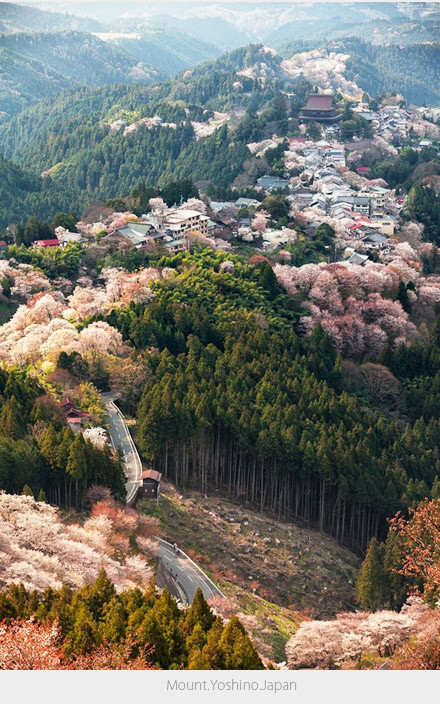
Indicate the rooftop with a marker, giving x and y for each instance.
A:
(48, 243)
(151, 474)
(135, 236)
(357, 258)
(182, 215)
(320, 102)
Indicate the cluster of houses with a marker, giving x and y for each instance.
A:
(74, 417)
(322, 185)
(316, 177)
(61, 239)
(169, 230)
(390, 121)
(368, 213)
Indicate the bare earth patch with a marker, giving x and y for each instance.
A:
(293, 567)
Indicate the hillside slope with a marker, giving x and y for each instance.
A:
(291, 566)
(72, 138)
(166, 50)
(413, 71)
(38, 65)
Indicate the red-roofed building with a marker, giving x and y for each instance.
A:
(74, 419)
(362, 169)
(41, 244)
(3, 246)
(73, 416)
(150, 488)
(67, 405)
(320, 108)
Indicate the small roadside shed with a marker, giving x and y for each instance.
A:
(150, 487)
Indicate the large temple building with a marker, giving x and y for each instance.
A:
(320, 108)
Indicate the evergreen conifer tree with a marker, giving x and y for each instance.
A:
(113, 625)
(84, 635)
(199, 613)
(371, 582)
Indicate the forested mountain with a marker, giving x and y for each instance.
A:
(379, 31)
(238, 401)
(216, 30)
(230, 25)
(38, 65)
(23, 81)
(24, 194)
(24, 461)
(412, 71)
(71, 138)
(167, 50)
(22, 18)
(16, 186)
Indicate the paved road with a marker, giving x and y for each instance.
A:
(385, 666)
(186, 573)
(120, 435)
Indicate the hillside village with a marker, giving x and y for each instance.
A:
(324, 180)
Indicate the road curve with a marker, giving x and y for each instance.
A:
(186, 575)
(184, 571)
(120, 435)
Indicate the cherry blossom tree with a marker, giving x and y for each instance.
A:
(158, 206)
(107, 657)
(260, 221)
(37, 549)
(193, 204)
(97, 436)
(227, 266)
(328, 644)
(421, 536)
(28, 645)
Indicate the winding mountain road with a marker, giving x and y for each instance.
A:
(185, 575)
(120, 435)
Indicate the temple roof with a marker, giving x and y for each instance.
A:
(320, 102)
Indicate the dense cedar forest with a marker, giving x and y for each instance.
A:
(143, 629)
(239, 401)
(424, 206)
(40, 454)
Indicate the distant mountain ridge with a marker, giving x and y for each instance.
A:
(22, 18)
(38, 65)
(209, 111)
(44, 52)
(167, 50)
